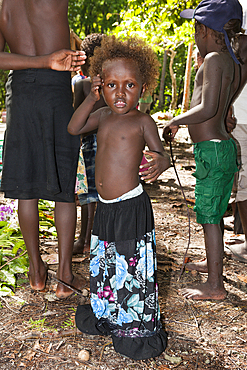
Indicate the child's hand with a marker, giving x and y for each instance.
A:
(95, 87)
(230, 124)
(169, 132)
(154, 167)
(231, 120)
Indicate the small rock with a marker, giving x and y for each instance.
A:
(83, 355)
(85, 292)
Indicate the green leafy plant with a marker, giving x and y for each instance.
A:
(13, 258)
(46, 219)
(13, 255)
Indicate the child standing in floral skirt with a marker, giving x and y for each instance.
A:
(123, 278)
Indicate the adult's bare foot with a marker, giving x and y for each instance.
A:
(37, 277)
(200, 266)
(203, 292)
(75, 282)
(238, 251)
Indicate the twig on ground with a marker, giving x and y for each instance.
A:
(7, 305)
(234, 363)
(241, 339)
(189, 339)
(44, 353)
(102, 351)
(197, 358)
(12, 259)
(179, 322)
(52, 273)
(236, 316)
(197, 324)
(33, 304)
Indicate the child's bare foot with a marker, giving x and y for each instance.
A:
(38, 277)
(200, 266)
(203, 291)
(78, 246)
(81, 247)
(238, 251)
(76, 282)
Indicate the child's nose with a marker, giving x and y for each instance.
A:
(120, 92)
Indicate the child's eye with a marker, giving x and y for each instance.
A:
(111, 84)
(130, 84)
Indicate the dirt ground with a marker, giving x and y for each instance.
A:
(37, 331)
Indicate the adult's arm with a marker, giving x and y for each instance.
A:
(61, 60)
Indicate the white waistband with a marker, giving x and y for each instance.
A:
(130, 194)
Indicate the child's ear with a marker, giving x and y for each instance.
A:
(144, 86)
(204, 31)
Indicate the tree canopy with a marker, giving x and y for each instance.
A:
(87, 17)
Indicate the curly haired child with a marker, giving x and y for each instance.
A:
(216, 85)
(88, 201)
(123, 281)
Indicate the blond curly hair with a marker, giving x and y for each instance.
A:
(132, 48)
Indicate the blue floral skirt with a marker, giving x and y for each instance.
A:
(123, 279)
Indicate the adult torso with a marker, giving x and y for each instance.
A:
(35, 27)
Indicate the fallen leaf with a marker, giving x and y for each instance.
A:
(22, 364)
(30, 355)
(79, 259)
(173, 359)
(242, 278)
(187, 259)
(51, 259)
(177, 205)
(36, 345)
(191, 200)
(48, 348)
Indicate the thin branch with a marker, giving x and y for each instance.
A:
(7, 263)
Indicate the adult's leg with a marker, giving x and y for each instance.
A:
(65, 221)
(87, 216)
(29, 223)
(213, 288)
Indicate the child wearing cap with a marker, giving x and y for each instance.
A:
(217, 81)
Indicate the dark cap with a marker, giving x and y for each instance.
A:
(215, 14)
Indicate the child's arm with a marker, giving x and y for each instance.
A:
(159, 163)
(81, 121)
(231, 120)
(211, 88)
(160, 159)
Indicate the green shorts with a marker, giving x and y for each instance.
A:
(216, 163)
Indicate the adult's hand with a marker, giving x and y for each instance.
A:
(67, 60)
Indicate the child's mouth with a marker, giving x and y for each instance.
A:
(120, 104)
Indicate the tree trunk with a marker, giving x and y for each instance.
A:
(173, 105)
(162, 81)
(186, 96)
